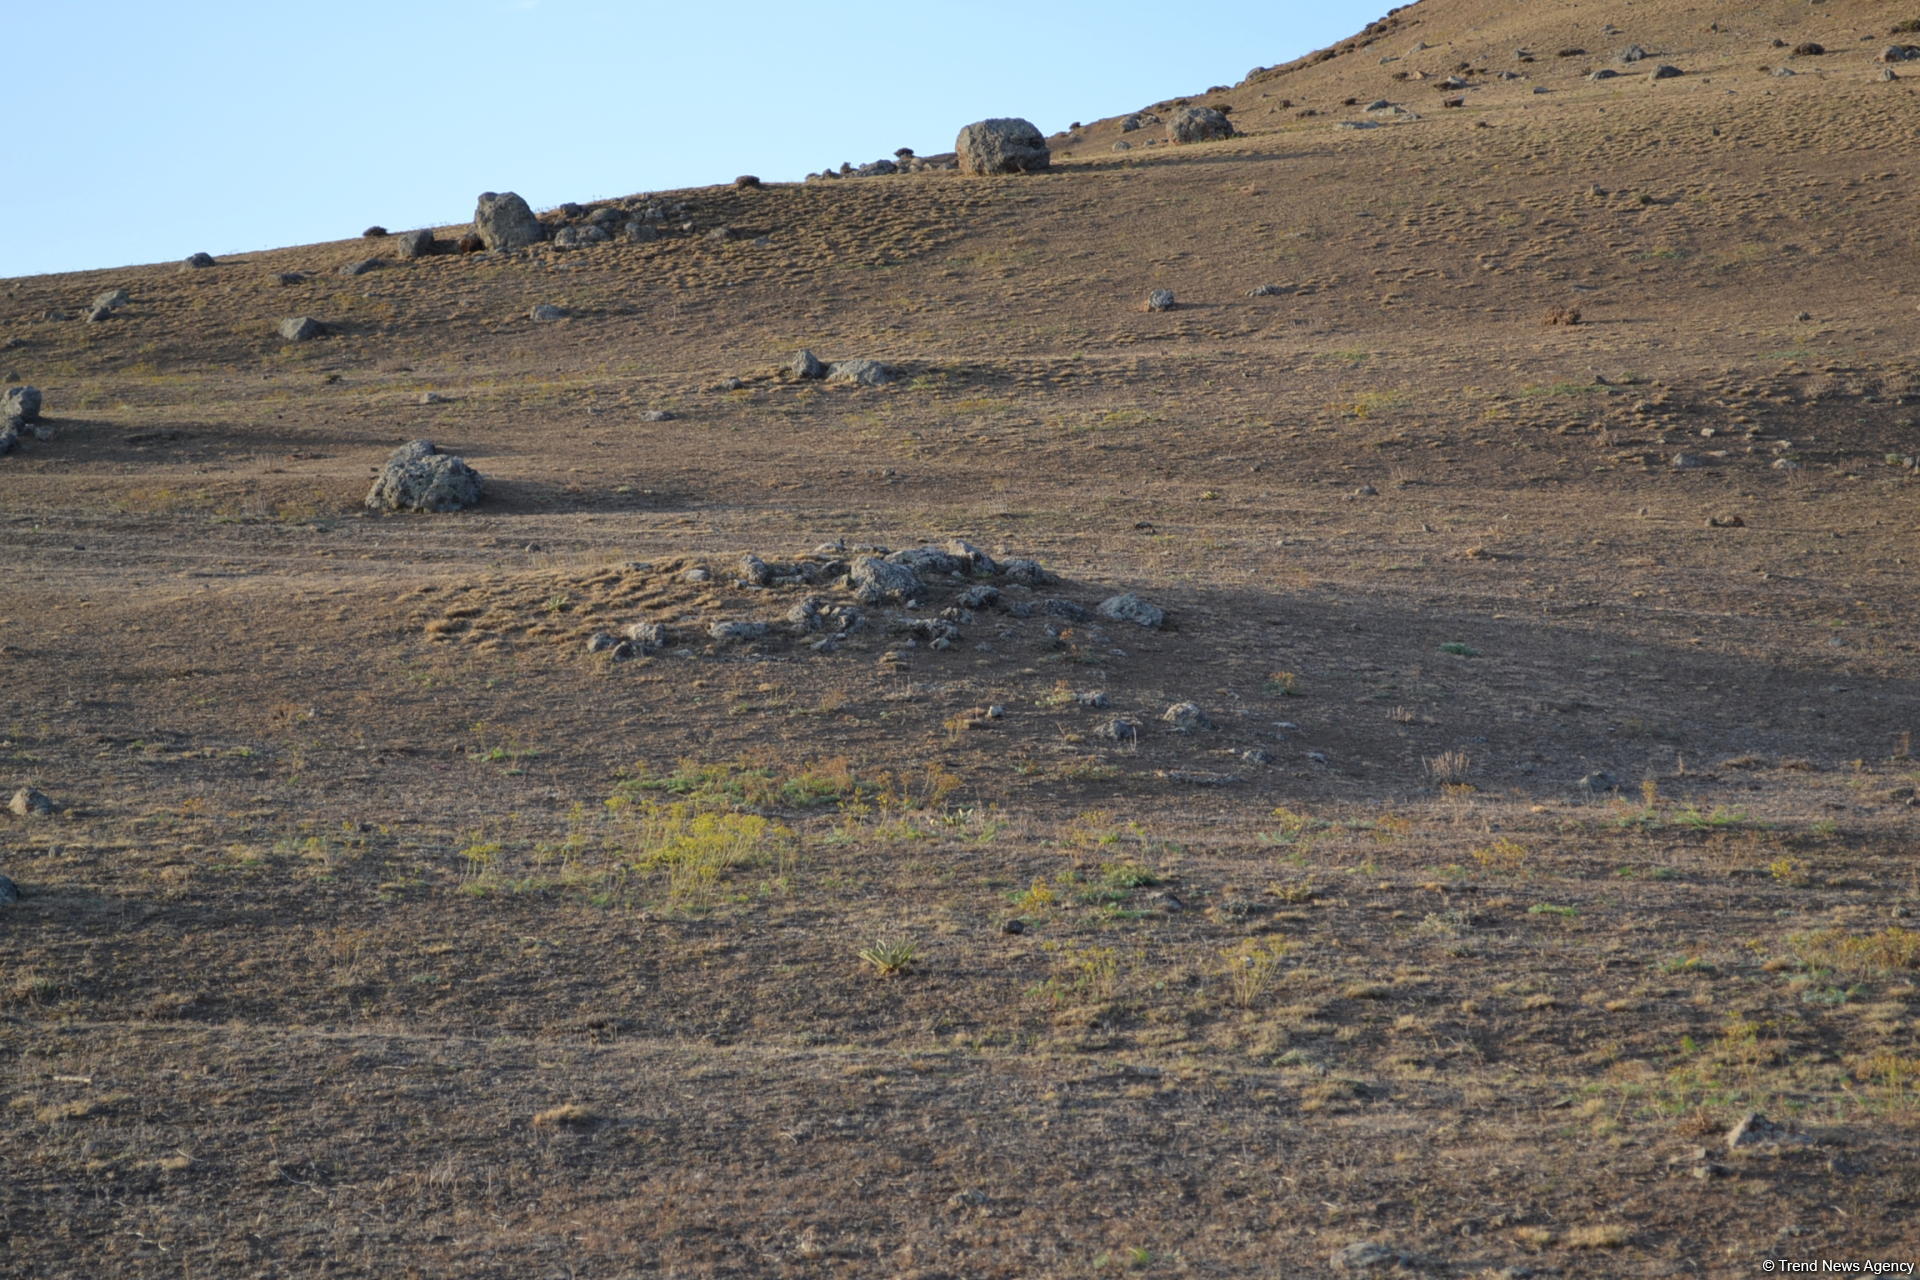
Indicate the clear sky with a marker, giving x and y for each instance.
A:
(143, 132)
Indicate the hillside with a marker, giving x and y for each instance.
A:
(1545, 808)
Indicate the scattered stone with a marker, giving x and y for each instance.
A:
(1754, 1130)
(111, 300)
(1686, 461)
(29, 803)
(301, 329)
(1265, 291)
(432, 397)
(21, 402)
(1366, 1256)
(1198, 124)
(1138, 120)
(738, 632)
(929, 561)
(9, 892)
(877, 581)
(290, 278)
(545, 311)
(198, 261)
(976, 560)
(639, 233)
(579, 237)
(1160, 300)
(1123, 145)
(649, 637)
(418, 477)
(866, 373)
(1257, 755)
(415, 244)
(1809, 49)
(1027, 573)
(1603, 73)
(363, 266)
(503, 221)
(1186, 717)
(1131, 608)
(745, 182)
(1729, 521)
(600, 642)
(807, 365)
(1667, 71)
(697, 575)
(1120, 729)
(1599, 783)
(98, 314)
(1013, 928)
(1005, 145)
(658, 415)
(755, 570)
(1632, 53)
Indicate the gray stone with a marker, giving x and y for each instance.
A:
(875, 581)
(867, 373)
(1686, 461)
(649, 637)
(1186, 717)
(432, 397)
(807, 365)
(28, 803)
(198, 262)
(1666, 71)
(1599, 783)
(1366, 1256)
(1005, 145)
(98, 314)
(639, 233)
(1604, 73)
(1265, 291)
(290, 278)
(1092, 699)
(978, 596)
(9, 436)
(977, 561)
(877, 168)
(1027, 573)
(929, 560)
(1783, 72)
(1198, 124)
(544, 311)
(1754, 1130)
(577, 237)
(1257, 755)
(657, 415)
(418, 477)
(1138, 120)
(1160, 300)
(1131, 608)
(414, 244)
(1632, 53)
(503, 221)
(301, 328)
(755, 570)
(22, 403)
(807, 617)
(9, 892)
(111, 300)
(738, 632)
(1057, 608)
(363, 266)
(1120, 729)
(600, 642)
(1123, 145)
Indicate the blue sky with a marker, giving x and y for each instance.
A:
(144, 132)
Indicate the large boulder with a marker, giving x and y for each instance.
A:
(1002, 146)
(1198, 124)
(301, 329)
(415, 244)
(418, 477)
(867, 373)
(22, 403)
(503, 221)
(875, 581)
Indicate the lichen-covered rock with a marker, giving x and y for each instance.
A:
(418, 477)
(977, 561)
(576, 237)
(1005, 145)
(301, 329)
(1198, 124)
(22, 403)
(738, 632)
(928, 560)
(1025, 572)
(866, 373)
(545, 311)
(29, 803)
(1160, 300)
(877, 581)
(807, 365)
(649, 637)
(1131, 608)
(1186, 717)
(415, 244)
(502, 220)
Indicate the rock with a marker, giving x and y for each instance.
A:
(1186, 717)
(9, 892)
(976, 560)
(1599, 783)
(867, 373)
(658, 415)
(600, 642)
(1123, 145)
(755, 570)
(99, 314)
(1666, 71)
(738, 632)
(503, 221)
(1131, 608)
(415, 244)
(576, 237)
(111, 300)
(1004, 145)
(1198, 124)
(545, 311)
(363, 266)
(979, 596)
(1754, 1130)
(639, 233)
(1027, 573)
(928, 560)
(1632, 53)
(1256, 755)
(745, 182)
(1120, 729)
(1160, 300)
(1065, 609)
(432, 397)
(1366, 1256)
(1265, 291)
(806, 365)
(1686, 461)
(1809, 49)
(290, 278)
(1138, 120)
(877, 581)
(875, 169)
(649, 637)
(1783, 72)
(418, 477)
(807, 617)
(28, 803)
(1013, 928)
(198, 262)
(1604, 73)
(22, 403)
(1092, 699)
(1726, 520)
(301, 329)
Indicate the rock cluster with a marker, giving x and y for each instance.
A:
(418, 477)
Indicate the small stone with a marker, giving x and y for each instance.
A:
(1604, 73)
(301, 329)
(1686, 461)
(866, 373)
(876, 581)
(9, 892)
(1026, 573)
(755, 570)
(285, 278)
(1013, 928)
(738, 632)
(1123, 145)
(658, 415)
(432, 397)
(1366, 1256)
(732, 384)
(697, 574)
(1131, 608)
(1120, 729)
(198, 262)
(1095, 699)
(1599, 782)
(579, 237)
(1160, 300)
(363, 266)
(649, 637)
(1265, 291)
(111, 300)
(806, 365)
(1754, 1130)
(415, 244)
(600, 642)
(1632, 53)
(1257, 755)
(1666, 71)
(1198, 124)
(1727, 521)
(29, 803)
(1186, 717)
(547, 311)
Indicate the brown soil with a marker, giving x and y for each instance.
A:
(384, 929)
